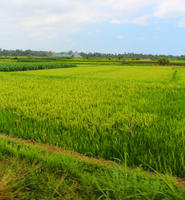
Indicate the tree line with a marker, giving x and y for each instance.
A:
(132, 56)
(19, 52)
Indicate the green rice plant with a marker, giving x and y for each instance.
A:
(7, 67)
(101, 111)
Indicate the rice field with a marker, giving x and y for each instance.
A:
(15, 66)
(123, 113)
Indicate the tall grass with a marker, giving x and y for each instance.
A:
(30, 172)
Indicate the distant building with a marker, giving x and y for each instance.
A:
(67, 54)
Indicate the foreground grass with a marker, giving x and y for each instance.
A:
(29, 171)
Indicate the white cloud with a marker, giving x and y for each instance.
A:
(128, 6)
(171, 9)
(115, 21)
(67, 16)
(142, 20)
(58, 17)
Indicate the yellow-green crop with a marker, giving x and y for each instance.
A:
(114, 112)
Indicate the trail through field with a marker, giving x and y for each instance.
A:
(174, 76)
(50, 148)
(59, 150)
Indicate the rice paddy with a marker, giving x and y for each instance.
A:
(132, 113)
(15, 66)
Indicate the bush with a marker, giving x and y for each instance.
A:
(163, 61)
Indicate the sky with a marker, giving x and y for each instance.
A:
(110, 26)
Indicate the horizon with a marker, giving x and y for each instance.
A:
(74, 51)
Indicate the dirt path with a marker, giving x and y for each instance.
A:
(59, 150)
(75, 154)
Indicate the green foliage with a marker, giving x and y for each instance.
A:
(7, 67)
(163, 61)
(89, 61)
(31, 172)
(35, 59)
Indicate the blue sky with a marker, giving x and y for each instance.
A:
(140, 26)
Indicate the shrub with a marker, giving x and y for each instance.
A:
(163, 61)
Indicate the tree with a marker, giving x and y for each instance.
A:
(29, 55)
(163, 61)
(50, 53)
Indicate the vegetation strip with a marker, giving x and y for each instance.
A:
(34, 172)
(8, 67)
(59, 150)
(95, 161)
